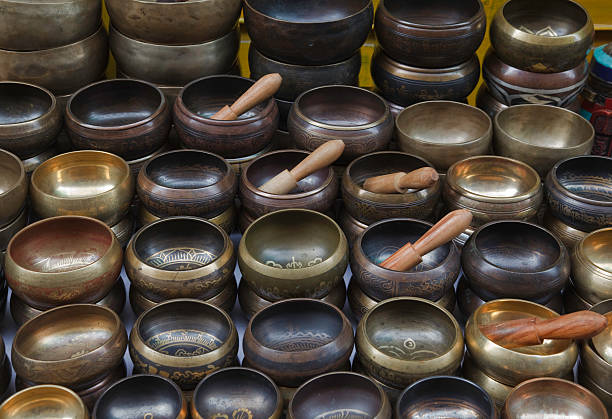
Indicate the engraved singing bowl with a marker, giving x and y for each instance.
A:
(553, 358)
(69, 345)
(487, 102)
(592, 266)
(30, 119)
(404, 339)
(226, 220)
(13, 187)
(568, 235)
(44, 401)
(236, 392)
(180, 257)
(297, 339)
(90, 183)
(63, 260)
(544, 37)
(340, 393)
(293, 253)
(184, 340)
(497, 391)
(142, 396)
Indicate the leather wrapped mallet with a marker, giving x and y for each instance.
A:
(263, 89)
(400, 182)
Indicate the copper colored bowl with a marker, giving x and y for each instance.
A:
(9, 230)
(13, 187)
(44, 401)
(592, 266)
(568, 235)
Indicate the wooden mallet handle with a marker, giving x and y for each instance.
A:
(263, 89)
(410, 255)
(401, 182)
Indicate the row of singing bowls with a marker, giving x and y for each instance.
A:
(368, 207)
(443, 132)
(199, 100)
(543, 37)
(63, 69)
(357, 116)
(13, 187)
(579, 192)
(48, 401)
(592, 266)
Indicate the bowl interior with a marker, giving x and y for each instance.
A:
(186, 169)
(179, 244)
(437, 12)
(587, 177)
(342, 106)
(302, 11)
(549, 18)
(115, 103)
(60, 245)
(22, 103)
(296, 325)
(383, 163)
(44, 402)
(597, 247)
(184, 328)
(411, 330)
(11, 172)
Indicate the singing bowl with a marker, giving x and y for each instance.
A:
(300, 78)
(184, 340)
(368, 207)
(404, 339)
(13, 187)
(226, 220)
(487, 102)
(297, 33)
(297, 339)
(351, 227)
(30, 119)
(63, 260)
(553, 358)
(579, 192)
(572, 301)
(542, 37)
(592, 266)
(542, 397)
(63, 69)
(568, 235)
(237, 392)
(89, 183)
(346, 393)
(444, 132)
(138, 396)
(443, 34)
(48, 401)
(498, 392)
(293, 253)
(186, 182)
(407, 84)
(32, 163)
(354, 115)
(174, 65)
(201, 99)
(14, 226)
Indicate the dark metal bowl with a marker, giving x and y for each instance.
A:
(13, 187)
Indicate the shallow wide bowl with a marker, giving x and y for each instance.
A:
(592, 266)
(9, 230)
(497, 391)
(226, 220)
(487, 102)
(13, 187)
(293, 253)
(568, 235)
(237, 392)
(444, 132)
(44, 401)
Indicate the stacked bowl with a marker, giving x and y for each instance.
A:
(13, 194)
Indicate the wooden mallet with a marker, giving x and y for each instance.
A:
(400, 182)
(263, 89)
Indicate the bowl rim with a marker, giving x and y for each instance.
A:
(583, 257)
(21, 180)
(298, 67)
(459, 71)
(479, 15)
(247, 159)
(265, 16)
(62, 48)
(552, 178)
(75, 397)
(52, 108)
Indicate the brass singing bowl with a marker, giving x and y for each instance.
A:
(541, 135)
(9, 230)
(293, 253)
(33, 162)
(13, 187)
(496, 390)
(236, 392)
(226, 220)
(404, 339)
(44, 401)
(592, 266)
(69, 345)
(567, 234)
(444, 132)
(553, 358)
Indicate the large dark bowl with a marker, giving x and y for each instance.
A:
(13, 187)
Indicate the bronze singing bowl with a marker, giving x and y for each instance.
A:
(592, 266)
(89, 183)
(236, 392)
(368, 207)
(572, 301)
(69, 345)
(13, 187)
(317, 191)
(187, 182)
(553, 397)
(351, 227)
(497, 391)
(553, 358)
(30, 119)
(226, 220)
(357, 116)
(444, 132)
(138, 396)
(33, 162)
(14, 226)
(63, 69)
(44, 401)
(293, 253)
(123, 230)
(63, 260)
(404, 339)
(184, 340)
(487, 102)
(542, 37)
(174, 65)
(568, 235)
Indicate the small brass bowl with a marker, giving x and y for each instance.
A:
(184, 340)
(391, 392)
(90, 183)
(44, 401)
(592, 266)
(488, 103)
(369, 207)
(226, 220)
(236, 392)
(497, 391)
(351, 227)
(149, 396)
(346, 393)
(9, 230)
(51, 347)
(444, 132)
(572, 301)
(293, 253)
(33, 162)
(568, 235)
(404, 339)
(123, 230)
(78, 260)
(553, 358)
(13, 187)
(297, 339)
